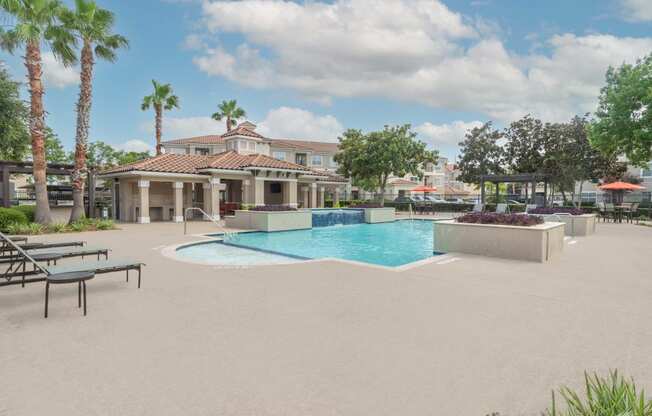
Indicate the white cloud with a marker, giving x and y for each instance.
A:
(182, 127)
(637, 10)
(409, 50)
(57, 75)
(296, 123)
(135, 146)
(449, 134)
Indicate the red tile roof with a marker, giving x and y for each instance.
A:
(173, 163)
(403, 182)
(327, 147)
(209, 139)
(242, 131)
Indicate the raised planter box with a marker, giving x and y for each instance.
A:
(575, 225)
(537, 243)
(270, 220)
(376, 215)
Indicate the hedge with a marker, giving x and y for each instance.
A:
(9, 216)
(28, 210)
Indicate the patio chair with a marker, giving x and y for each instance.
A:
(61, 252)
(502, 209)
(18, 267)
(610, 211)
(634, 211)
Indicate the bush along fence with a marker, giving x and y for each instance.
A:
(20, 221)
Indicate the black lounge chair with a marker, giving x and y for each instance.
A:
(56, 253)
(18, 267)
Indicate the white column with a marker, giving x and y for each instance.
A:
(143, 197)
(313, 195)
(336, 196)
(293, 202)
(177, 191)
(259, 191)
(206, 186)
(322, 196)
(305, 196)
(246, 191)
(212, 197)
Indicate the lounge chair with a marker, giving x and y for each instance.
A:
(24, 244)
(17, 268)
(502, 209)
(58, 253)
(478, 207)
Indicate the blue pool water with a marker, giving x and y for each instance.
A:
(387, 244)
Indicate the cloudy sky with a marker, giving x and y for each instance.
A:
(309, 70)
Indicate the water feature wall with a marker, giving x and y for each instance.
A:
(328, 217)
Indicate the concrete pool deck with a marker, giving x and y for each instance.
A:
(464, 336)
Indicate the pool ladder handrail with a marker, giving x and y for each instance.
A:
(210, 218)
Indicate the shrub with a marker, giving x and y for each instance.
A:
(10, 216)
(556, 210)
(500, 219)
(61, 227)
(273, 208)
(28, 210)
(80, 225)
(104, 225)
(611, 396)
(26, 229)
(368, 205)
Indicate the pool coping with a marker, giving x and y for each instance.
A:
(171, 252)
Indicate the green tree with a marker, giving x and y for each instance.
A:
(123, 158)
(92, 26)
(525, 145)
(102, 155)
(374, 157)
(623, 123)
(230, 111)
(163, 98)
(14, 134)
(480, 154)
(35, 22)
(54, 150)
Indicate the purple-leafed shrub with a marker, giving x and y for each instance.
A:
(273, 208)
(500, 219)
(556, 210)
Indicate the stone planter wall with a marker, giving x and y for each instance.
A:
(575, 225)
(537, 243)
(270, 220)
(376, 215)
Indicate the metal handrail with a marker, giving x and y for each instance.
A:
(185, 218)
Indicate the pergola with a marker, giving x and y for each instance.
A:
(9, 167)
(525, 178)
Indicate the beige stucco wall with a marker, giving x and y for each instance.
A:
(575, 225)
(537, 243)
(376, 215)
(270, 221)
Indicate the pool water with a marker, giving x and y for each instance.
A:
(388, 244)
(218, 254)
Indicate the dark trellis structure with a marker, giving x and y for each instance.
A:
(8, 168)
(525, 178)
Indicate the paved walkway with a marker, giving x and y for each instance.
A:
(465, 337)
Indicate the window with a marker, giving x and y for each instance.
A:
(647, 172)
(201, 151)
(275, 188)
(278, 155)
(252, 146)
(316, 160)
(301, 159)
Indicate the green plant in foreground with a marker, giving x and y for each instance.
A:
(79, 226)
(60, 227)
(603, 396)
(104, 225)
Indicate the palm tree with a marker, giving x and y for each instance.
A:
(230, 111)
(35, 23)
(162, 99)
(92, 26)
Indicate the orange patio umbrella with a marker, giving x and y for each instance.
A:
(621, 187)
(424, 189)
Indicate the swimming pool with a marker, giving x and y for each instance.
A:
(390, 244)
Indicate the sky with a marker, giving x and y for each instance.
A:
(312, 69)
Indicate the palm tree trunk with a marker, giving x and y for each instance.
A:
(37, 131)
(228, 123)
(81, 139)
(159, 128)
